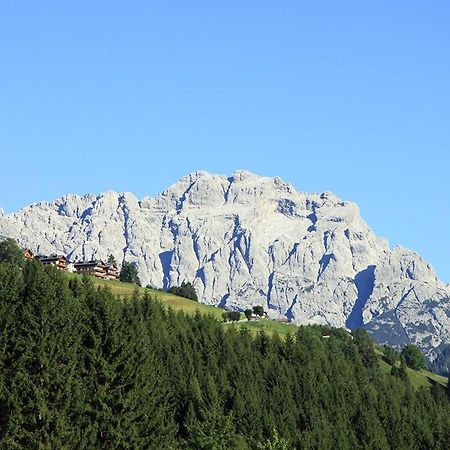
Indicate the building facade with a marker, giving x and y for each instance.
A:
(58, 261)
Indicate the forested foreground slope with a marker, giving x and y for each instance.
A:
(83, 369)
(418, 378)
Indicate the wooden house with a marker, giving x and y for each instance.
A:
(112, 272)
(96, 268)
(58, 261)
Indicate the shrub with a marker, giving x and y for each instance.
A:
(231, 316)
(186, 290)
(258, 310)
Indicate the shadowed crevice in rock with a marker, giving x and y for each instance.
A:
(404, 297)
(270, 287)
(126, 215)
(166, 259)
(182, 199)
(226, 193)
(195, 246)
(286, 207)
(313, 218)
(364, 282)
(289, 314)
(223, 301)
(292, 252)
(324, 262)
(200, 274)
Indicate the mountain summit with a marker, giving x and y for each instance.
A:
(246, 240)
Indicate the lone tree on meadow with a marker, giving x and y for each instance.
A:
(186, 290)
(248, 313)
(231, 316)
(10, 252)
(129, 273)
(413, 357)
(258, 310)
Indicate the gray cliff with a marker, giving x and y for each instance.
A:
(247, 240)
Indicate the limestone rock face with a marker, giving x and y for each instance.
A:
(246, 240)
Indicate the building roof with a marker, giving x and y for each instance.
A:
(48, 258)
(93, 263)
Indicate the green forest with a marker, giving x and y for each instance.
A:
(81, 368)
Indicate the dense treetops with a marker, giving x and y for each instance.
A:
(231, 316)
(186, 290)
(129, 273)
(10, 252)
(413, 357)
(83, 369)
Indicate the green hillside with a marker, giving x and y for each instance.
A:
(417, 378)
(170, 300)
(269, 326)
(82, 368)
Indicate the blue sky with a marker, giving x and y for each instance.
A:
(352, 97)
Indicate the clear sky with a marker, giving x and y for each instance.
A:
(347, 96)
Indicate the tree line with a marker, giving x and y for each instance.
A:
(83, 369)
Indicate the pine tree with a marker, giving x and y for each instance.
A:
(126, 385)
(129, 273)
(111, 260)
(41, 379)
(10, 252)
(11, 285)
(275, 442)
(81, 368)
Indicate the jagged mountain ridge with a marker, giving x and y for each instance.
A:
(246, 240)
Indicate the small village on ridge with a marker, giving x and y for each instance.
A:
(96, 267)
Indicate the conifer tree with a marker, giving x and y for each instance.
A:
(10, 252)
(81, 368)
(11, 285)
(125, 383)
(42, 383)
(111, 260)
(129, 273)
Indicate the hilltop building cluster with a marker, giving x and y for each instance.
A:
(96, 267)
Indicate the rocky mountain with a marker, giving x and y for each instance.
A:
(247, 240)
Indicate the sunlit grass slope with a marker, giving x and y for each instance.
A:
(173, 301)
(417, 378)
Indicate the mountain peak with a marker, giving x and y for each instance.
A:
(245, 240)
